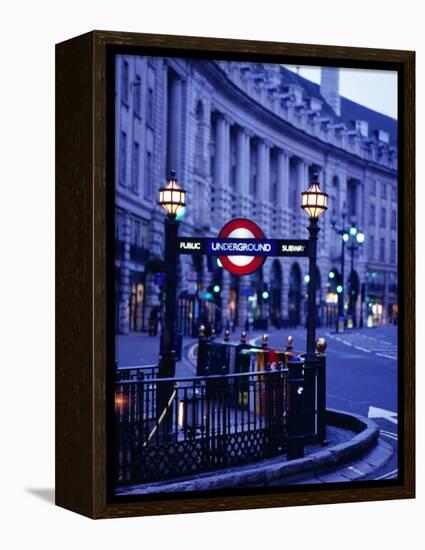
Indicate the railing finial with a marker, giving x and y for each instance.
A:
(289, 343)
(321, 346)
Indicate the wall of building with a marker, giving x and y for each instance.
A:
(242, 148)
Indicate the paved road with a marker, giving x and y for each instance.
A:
(362, 378)
(361, 372)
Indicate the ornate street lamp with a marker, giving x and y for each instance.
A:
(340, 325)
(356, 239)
(173, 199)
(314, 202)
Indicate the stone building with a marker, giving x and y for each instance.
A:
(245, 139)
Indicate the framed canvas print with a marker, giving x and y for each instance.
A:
(235, 274)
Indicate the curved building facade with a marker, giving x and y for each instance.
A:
(245, 139)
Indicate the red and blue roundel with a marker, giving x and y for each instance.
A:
(241, 228)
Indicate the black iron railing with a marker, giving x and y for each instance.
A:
(136, 373)
(175, 427)
(169, 428)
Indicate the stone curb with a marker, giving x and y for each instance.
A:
(268, 470)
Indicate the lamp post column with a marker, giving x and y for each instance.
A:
(167, 364)
(341, 313)
(313, 230)
(352, 303)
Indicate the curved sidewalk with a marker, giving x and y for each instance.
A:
(354, 451)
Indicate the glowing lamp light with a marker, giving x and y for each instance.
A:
(360, 237)
(172, 197)
(314, 201)
(331, 275)
(345, 237)
(306, 278)
(339, 289)
(353, 231)
(216, 289)
(265, 295)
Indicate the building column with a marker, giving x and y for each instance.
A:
(302, 185)
(221, 168)
(175, 137)
(263, 187)
(125, 290)
(242, 172)
(360, 206)
(282, 191)
(386, 298)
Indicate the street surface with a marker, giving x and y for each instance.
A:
(361, 372)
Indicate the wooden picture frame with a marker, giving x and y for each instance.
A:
(82, 282)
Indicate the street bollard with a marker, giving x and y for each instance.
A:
(289, 344)
(202, 359)
(264, 341)
(321, 346)
(213, 334)
(226, 337)
(244, 337)
(296, 421)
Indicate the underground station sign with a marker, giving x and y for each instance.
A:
(242, 247)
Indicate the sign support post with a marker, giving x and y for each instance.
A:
(167, 365)
(313, 230)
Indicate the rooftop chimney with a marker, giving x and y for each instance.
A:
(329, 88)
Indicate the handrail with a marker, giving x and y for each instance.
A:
(161, 418)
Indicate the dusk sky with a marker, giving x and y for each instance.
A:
(374, 89)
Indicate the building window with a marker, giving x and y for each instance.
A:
(373, 187)
(124, 81)
(383, 216)
(383, 191)
(119, 225)
(394, 193)
(135, 168)
(371, 247)
(148, 176)
(274, 190)
(393, 219)
(123, 159)
(145, 234)
(137, 96)
(352, 197)
(362, 127)
(136, 232)
(383, 136)
(382, 250)
(372, 215)
(149, 110)
(393, 252)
